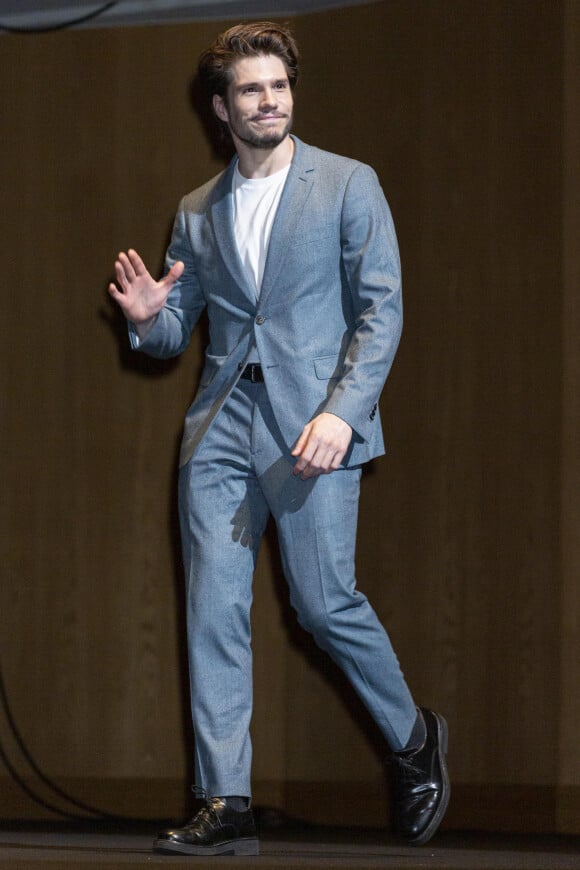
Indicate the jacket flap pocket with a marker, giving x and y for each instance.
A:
(327, 367)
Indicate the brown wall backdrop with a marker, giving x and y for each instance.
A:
(469, 528)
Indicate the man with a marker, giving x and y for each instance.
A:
(292, 251)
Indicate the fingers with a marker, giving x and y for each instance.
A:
(129, 266)
(322, 461)
(136, 262)
(300, 444)
(137, 293)
(322, 445)
(174, 273)
(119, 297)
(121, 273)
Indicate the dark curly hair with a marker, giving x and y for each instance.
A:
(245, 40)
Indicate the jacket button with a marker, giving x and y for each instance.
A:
(260, 319)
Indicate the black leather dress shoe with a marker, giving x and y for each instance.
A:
(421, 783)
(215, 830)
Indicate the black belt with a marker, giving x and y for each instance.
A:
(253, 372)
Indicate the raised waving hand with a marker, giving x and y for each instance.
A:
(139, 295)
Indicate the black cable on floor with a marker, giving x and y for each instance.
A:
(31, 793)
(52, 786)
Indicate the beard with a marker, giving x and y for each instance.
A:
(266, 139)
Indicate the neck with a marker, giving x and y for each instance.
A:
(261, 162)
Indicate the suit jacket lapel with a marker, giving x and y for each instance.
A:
(222, 211)
(296, 191)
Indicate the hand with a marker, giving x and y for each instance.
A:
(321, 446)
(141, 298)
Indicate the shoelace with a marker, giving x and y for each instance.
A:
(207, 815)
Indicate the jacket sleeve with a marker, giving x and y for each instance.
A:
(172, 330)
(370, 259)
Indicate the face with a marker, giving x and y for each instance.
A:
(258, 105)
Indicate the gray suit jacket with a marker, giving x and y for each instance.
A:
(328, 320)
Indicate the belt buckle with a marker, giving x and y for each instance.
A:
(254, 367)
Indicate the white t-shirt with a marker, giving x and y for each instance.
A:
(256, 201)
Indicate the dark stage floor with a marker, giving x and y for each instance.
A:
(62, 846)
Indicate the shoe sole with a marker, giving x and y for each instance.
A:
(246, 846)
(442, 742)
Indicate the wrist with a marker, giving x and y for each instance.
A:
(144, 327)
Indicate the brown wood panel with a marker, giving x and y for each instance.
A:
(468, 528)
(569, 769)
(88, 527)
(457, 106)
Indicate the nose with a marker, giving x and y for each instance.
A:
(268, 100)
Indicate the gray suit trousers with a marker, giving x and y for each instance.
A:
(240, 474)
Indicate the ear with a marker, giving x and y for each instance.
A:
(219, 108)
